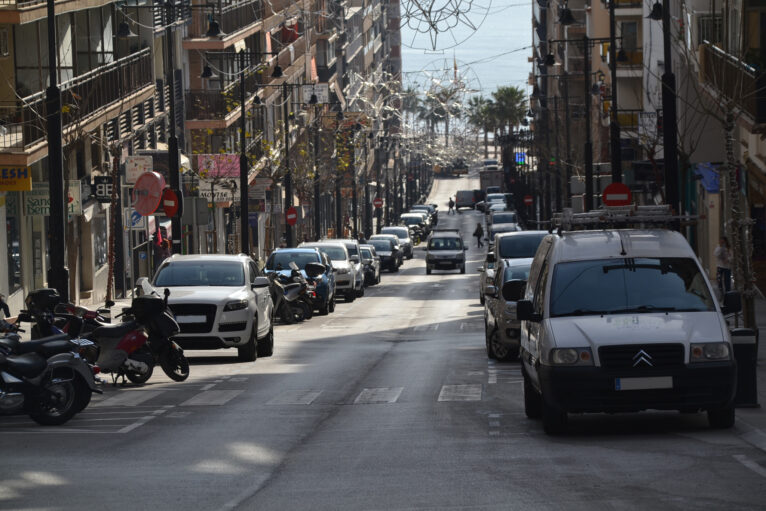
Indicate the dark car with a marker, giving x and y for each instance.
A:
(280, 260)
(465, 199)
(385, 249)
(371, 264)
(445, 250)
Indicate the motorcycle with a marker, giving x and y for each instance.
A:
(291, 295)
(130, 349)
(47, 379)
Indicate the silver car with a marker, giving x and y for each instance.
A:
(445, 250)
(502, 334)
(345, 270)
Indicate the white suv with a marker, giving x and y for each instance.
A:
(219, 301)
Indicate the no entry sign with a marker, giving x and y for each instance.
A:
(528, 200)
(378, 202)
(616, 194)
(171, 202)
(291, 216)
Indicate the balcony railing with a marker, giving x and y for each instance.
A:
(633, 58)
(629, 119)
(231, 17)
(218, 104)
(24, 121)
(734, 80)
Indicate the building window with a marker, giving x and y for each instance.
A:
(100, 237)
(709, 29)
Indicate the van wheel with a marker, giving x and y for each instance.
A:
(721, 419)
(532, 401)
(554, 419)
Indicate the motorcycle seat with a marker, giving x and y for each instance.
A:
(292, 285)
(113, 331)
(47, 347)
(28, 365)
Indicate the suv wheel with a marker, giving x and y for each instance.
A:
(351, 296)
(488, 342)
(265, 346)
(462, 268)
(428, 270)
(249, 352)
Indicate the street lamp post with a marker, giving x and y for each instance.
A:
(669, 121)
(58, 275)
(174, 165)
(614, 124)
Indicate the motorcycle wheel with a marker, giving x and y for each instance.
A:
(56, 403)
(308, 310)
(175, 364)
(83, 394)
(298, 311)
(137, 377)
(287, 314)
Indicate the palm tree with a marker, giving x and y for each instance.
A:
(480, 116)
(509, 107)
(410, 102)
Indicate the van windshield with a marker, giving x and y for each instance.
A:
(520, 245)
(629, 285)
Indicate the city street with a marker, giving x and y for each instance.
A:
(388, 403)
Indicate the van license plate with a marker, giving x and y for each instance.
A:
(657, 382)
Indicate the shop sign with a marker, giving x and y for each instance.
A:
(38, 202)
(135, 166)
(217, 190)
(15, 179)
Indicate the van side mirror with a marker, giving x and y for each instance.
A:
(513, 290)
(355, 259)
(525, 312)
(732, 303)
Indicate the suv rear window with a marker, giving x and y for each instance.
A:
(445, 244)
(620, 286)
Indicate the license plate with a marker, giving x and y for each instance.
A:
(191, 319)
(656, 382)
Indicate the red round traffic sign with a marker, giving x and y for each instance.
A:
(616, 194)
(170, 202)
(528, 200)
(378, 202)
(147, 192)
(291, 215)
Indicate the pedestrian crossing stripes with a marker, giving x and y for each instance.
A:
(502, 373)
(379, 395)
(212, 397)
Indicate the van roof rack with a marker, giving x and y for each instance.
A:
(607, 217)
(445, 230)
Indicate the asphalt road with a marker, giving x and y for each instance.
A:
(388, 403)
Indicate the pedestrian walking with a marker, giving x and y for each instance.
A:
(451, 207)
(722, 255)
(479, 233)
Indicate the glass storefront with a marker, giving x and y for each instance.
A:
(13, 234)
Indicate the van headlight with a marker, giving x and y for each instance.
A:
(235, 305)
(571, 357)
(709, 352)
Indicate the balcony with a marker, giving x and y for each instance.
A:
(218, 105)
(82, 98)
(232, 17)
(734, 80)
(633, 65)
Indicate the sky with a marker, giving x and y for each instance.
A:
(489, 40)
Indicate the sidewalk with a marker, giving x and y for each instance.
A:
(751, 422)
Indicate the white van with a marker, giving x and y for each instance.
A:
(623, 320)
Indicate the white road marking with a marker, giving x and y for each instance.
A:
(129, 398)
(378, 395)
(295, 397)
(208, 386)
(752, 465)
(140, 422)
(755, 437)
(470, 392)
(212, 398)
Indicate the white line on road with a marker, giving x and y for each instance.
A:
(470, 392)
(138, 423)
(129, 398)
(295, 397)
(208, 386)
(752, 465)
(212, 398)
(378, 395)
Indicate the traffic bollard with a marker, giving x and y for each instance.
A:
(745, 341)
